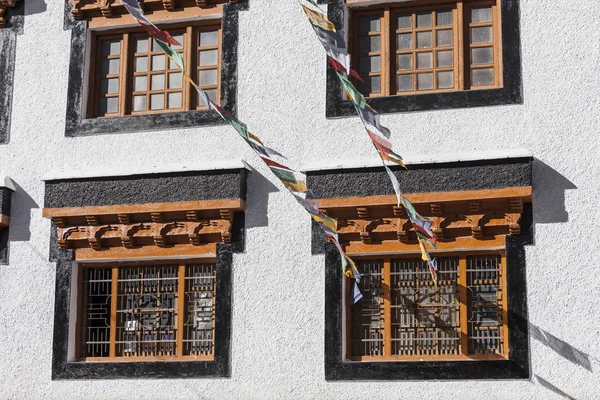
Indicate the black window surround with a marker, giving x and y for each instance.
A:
(510, 93)
(8, 47)
(442, 177)
(78, 125)
(62, 368)
(6, 191)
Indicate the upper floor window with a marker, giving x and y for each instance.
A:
(132, 75)
(408, 49)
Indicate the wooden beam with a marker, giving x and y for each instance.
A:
(523, 192)
(460, 244)
(230, 204)
(146, 252)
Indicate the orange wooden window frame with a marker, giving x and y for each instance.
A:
(463, 312)
(126, 69)
(461, 47)
(115, 266)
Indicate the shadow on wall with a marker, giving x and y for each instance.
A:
(549, 188)
(259, 189)
(553, 388)
(21, 204)
(561, 347)
(35, 7)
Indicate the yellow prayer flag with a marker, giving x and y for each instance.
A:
(318, 19)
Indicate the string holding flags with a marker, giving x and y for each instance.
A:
(292, 179)
(334, 44)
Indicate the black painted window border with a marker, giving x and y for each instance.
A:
(8, 48)
(76, 125)
(5, 202)
(516, 367)
(63, 369)
(510, 93)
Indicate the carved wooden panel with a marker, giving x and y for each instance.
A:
(4, 4)
(84, 9)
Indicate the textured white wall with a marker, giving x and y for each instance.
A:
(278, 286)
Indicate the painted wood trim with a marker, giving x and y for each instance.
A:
(147, 252)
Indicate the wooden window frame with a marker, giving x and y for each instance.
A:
(126, 35)
(463, 312)
(461, 45)
(81, 311)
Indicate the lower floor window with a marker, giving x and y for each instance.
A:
(145, 312)
(405, 317)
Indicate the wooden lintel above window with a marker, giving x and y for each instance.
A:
(469, 219)
(146, 230)
(4, 4)
(87, 9)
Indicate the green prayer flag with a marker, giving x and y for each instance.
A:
(357, 96)
(284, 175)
(174, 55)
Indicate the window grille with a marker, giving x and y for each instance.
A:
(403, 316)
(136, 312)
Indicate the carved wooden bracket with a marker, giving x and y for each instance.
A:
(81, 9)
(4, 4)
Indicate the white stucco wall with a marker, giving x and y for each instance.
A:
(278, 287)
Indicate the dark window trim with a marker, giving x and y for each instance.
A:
(510, 93)
(8, 49)
(516, 367)
(76, 125)
(5, 202)
(219, 368)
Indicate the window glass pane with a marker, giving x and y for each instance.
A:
(212, 94)
(423, 20)
(139, 103)
(109, 105)
(482, 76)
(481, 34)
(368, 44)
(158, 82)
(444, 18)
(141, 83)
(208, 57)
(141, 45)
(481, 14)
(370, 85)
(368, 23)
(444, 37)
(207, 77)
(175, 100)
(158, 63)
(424, 60)
(445, 79)
(172, 65)
(109, 86)
(179, 38)
(375, 84)
(209, 38)
(157, 101)
(425, 81)
(444, 58)
(404, 22)
(405, 62)
(110, 66)
(369, 64)
(405, 83)
(175, 80)
(141, 64)
(482, 55)
(424, 40)
(404, 41)
(111, 47)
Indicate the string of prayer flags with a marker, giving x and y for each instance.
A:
(287, 176)
(379, 134)
(133, 7)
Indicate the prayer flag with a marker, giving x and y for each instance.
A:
(339, 67)
(352, 91)
(368, 116)
(395, 184)
(318, 19)
(356, 295)
(171, 53)
(133, 7)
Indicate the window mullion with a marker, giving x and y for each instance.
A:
(387, 308)
(124, 75)
(180, 309)
(459, 41)
(385, 48)
(113, 311)
(464, 307)
(189, 43)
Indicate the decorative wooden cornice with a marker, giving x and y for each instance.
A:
(465, 219)
(4, 4)
(144, 229)
(86, 9)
